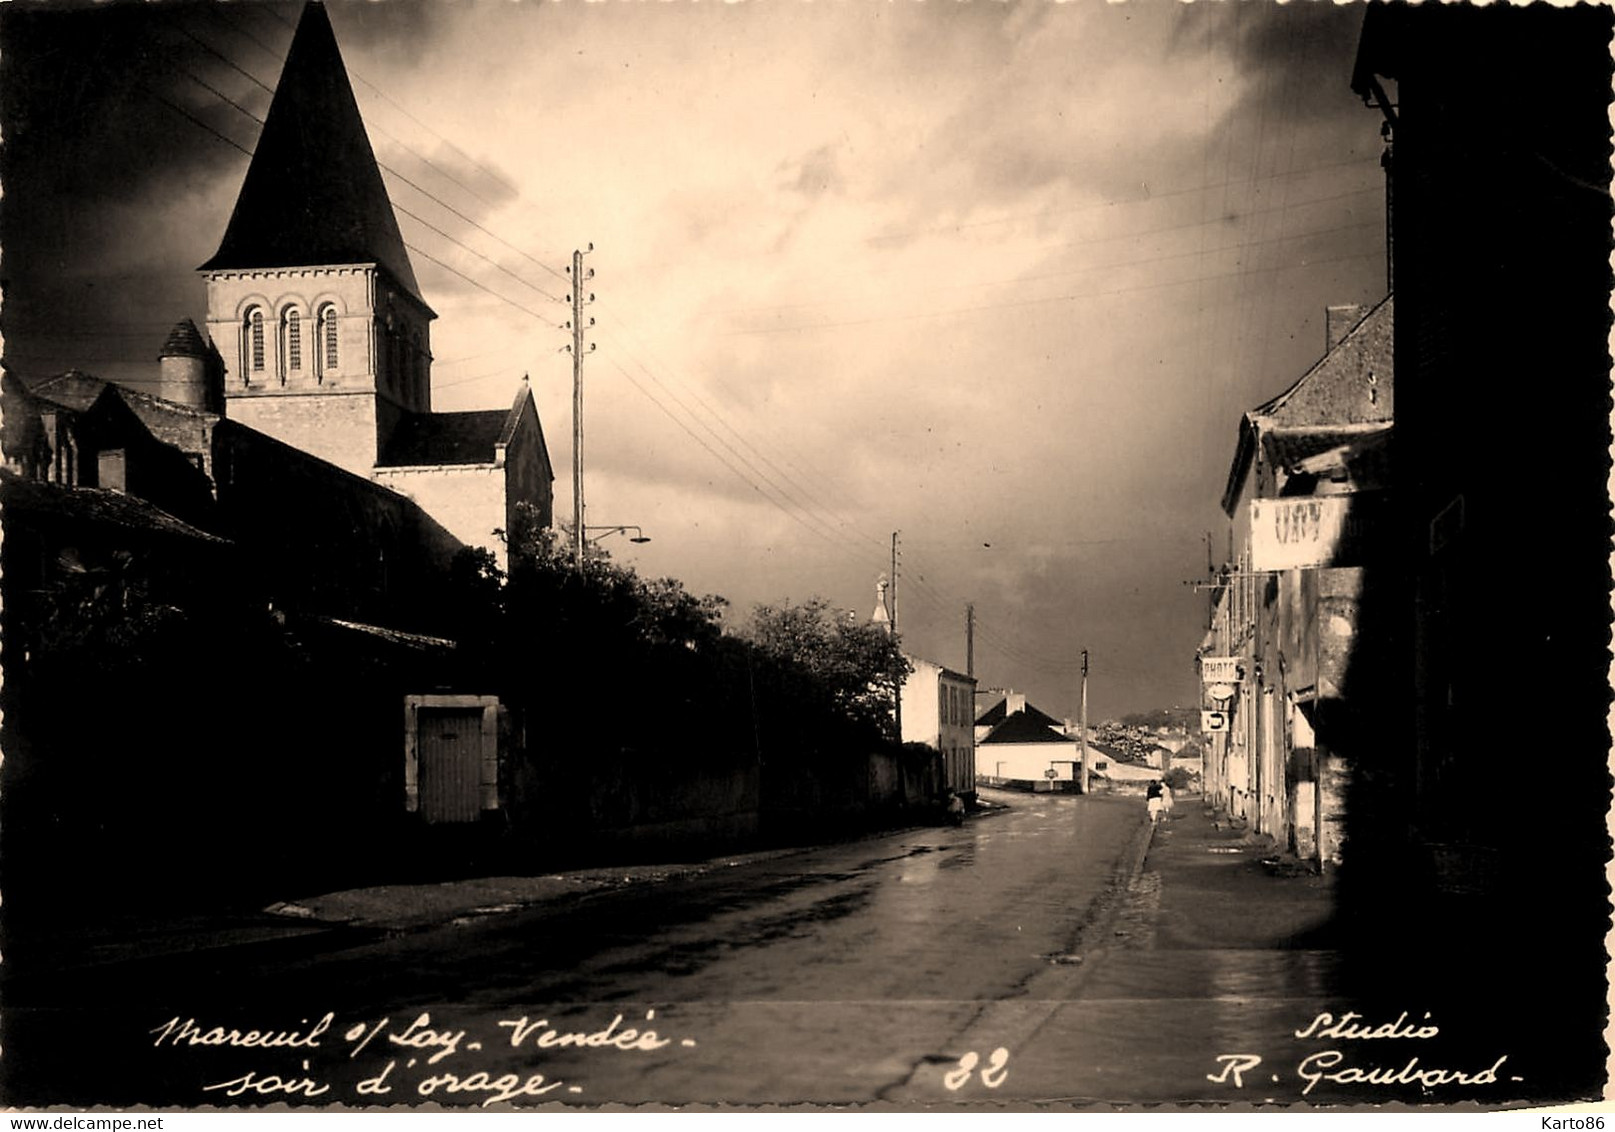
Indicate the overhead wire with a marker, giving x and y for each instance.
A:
(489, 173)
(1111, 265)
(1011, 304)
(1149, 198)
(407, 212)
(796, 487)
(401, 177)
(780, 481)
(784, 506)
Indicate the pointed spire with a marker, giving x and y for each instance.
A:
(882, 616)
(313, 193)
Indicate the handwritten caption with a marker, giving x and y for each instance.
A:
(1336, 1067)
(416, 1058)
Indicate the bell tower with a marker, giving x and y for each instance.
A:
(311, 297)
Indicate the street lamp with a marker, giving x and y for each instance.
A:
(638, 535)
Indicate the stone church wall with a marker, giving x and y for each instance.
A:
(467, 499)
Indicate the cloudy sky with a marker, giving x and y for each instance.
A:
(1000, 277)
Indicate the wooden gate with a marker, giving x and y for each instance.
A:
(449, 749)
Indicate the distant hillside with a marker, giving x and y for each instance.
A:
(1188, 719)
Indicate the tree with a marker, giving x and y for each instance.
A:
(857, 666)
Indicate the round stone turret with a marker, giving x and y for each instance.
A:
(191, 371)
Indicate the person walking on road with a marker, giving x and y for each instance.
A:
(1166, 798)
(1154, 802)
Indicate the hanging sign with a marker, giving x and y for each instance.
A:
(1220, 691)
(1312, 530)
(1212, 722)
(1221, 670)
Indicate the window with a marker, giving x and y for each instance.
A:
(328, 338)
(418, 358)
(294, 342)
(255, 340)
(389, 369)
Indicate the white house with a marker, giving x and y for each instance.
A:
(937, 709)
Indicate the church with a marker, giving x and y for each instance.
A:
(228, 582)
(300, 424)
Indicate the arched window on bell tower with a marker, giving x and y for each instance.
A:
(327, 358)
(418, 378)
(291, 346)
(253, 358)
(389, 354)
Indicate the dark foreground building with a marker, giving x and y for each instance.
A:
(1481, 815)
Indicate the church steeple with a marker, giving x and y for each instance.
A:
(325, 339)
(313, 194)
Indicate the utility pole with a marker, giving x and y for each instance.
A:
(577, 327)
(897, 696)
(893, 593)
(1084, 722)
(970, 641)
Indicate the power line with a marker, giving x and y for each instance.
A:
(489, 173)
(412, 215)
(1111, 265)
(778, 496)
(478, 285)
(716, 414)
(194, 120)
(228, 62)
(790, 505)
(1149, 198)
(1104, 293)
(280, 58)
(397, 174)
(786, 510)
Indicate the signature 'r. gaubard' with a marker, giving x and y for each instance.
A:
(1331, 1065)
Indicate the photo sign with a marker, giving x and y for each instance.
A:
(1220, 670)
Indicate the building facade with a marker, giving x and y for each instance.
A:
(1284, 674)
(936, 711)
(1499, 217)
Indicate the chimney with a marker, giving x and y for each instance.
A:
(1339, 322)
(1014, 702)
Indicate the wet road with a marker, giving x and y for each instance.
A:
(1061, 952)
(843, 974)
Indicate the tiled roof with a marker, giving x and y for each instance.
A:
(71, 390)
(1022, 727)
(78, 391)
(96, 506)
(994, 715)
(437, 439)
(1287, 447)
(1335, 401)
(313, 194)
(184, 341)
